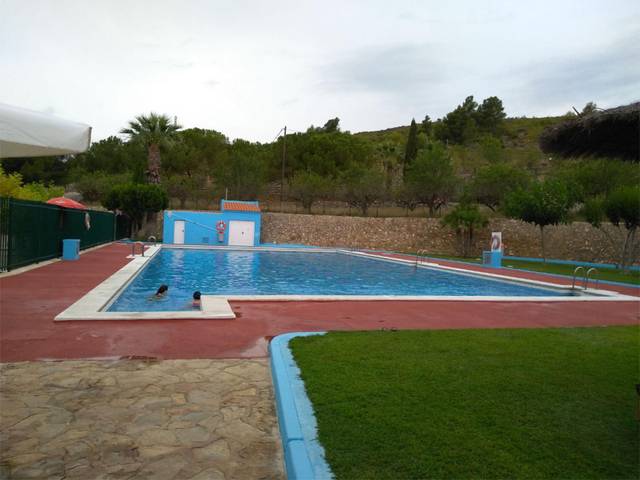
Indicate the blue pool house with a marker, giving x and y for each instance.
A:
(237, 224)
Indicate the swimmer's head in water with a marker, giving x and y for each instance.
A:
(162, 290)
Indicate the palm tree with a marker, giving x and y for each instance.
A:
(153, 131)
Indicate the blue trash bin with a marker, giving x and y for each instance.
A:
(70, 249)
(492, 259)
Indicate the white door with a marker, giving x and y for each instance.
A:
(241, 233)
(178, 231)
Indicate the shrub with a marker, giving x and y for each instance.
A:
(544, 203)
(308, 187)
(622, 208)
(465, 219)
(11, 186)
(136, 200)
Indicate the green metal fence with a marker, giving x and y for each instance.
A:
(33, 231)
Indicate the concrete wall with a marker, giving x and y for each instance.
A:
(200, 227)
(578, 241)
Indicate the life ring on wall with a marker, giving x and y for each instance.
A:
(221, 226)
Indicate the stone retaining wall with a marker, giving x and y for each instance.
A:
(578, 241)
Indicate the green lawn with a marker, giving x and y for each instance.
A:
(556, 268)
(559, 269)
(538, 403)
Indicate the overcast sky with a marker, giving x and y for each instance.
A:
(248, 68)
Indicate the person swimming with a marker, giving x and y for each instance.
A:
(196, 299)
(162, 291)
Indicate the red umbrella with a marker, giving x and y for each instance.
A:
(66, 202)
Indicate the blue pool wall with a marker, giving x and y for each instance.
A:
(200, 227)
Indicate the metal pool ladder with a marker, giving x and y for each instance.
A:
(420, 254)
(585, 277)
(575, 274)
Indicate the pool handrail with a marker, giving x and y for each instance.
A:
(420, 254)
(575, 274)
(133, 248)
(586, 277)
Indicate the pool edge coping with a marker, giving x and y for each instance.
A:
(612, 283)
(92, 305)
(303, 453)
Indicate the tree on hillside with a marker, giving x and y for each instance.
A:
(153, 131)
(326, 154)
(407, 196)
(195, 150)
(460, 126)
(465, 219)
(195, 158)
(332, 125)
(136, 201)
(308, 188)
(245, 171)
(426, 126)
(492, 183)
(492, 149)
(185, 187)
(466, 121)
(108, 155)
(47, 170)
(542, 204)
(490, 116)
(621, 207)
(389, 156)
(432, 177)
(362, 187)
(95, 186)
(106, 163)
(411, 150)
(597, 177)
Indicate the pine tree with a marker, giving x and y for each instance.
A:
(411, 150)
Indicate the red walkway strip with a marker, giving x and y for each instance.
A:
(29, 302)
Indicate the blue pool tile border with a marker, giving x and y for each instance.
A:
(303, 453)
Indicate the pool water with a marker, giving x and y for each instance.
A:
(235, 272)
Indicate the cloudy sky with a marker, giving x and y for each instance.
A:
(248, 68)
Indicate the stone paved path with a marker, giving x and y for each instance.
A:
(135, 419)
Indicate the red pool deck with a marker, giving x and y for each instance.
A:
(29, 301)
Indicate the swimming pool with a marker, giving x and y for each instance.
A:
(255, 272)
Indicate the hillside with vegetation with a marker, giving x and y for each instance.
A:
(472, 163)
(518, 145)
(198, 166)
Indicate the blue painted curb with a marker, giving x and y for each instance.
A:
(303, 453)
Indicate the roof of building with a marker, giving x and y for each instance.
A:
(606, 133)
(237, 206)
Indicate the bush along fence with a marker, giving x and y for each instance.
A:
(33, 231)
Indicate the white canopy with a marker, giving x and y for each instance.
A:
(25, 133)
